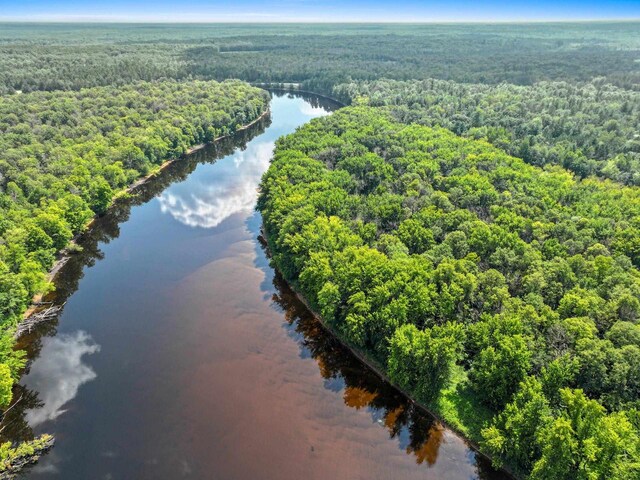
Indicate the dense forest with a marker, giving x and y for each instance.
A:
(471, 222)
(503, 295)
(49, 57)
(590, 128)
(64, 156)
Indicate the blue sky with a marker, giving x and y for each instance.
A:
(317, 10)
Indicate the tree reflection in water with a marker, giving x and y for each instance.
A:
(418, 433)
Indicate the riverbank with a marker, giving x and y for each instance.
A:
(439, 414)
(148, 283)
(27, 453)
(65, 254)
(189, 151)
(295, 88)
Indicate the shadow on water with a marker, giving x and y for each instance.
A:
(15, 425)
(417, 433)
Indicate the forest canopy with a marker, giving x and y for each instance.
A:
(50, 56)
(472, 223)
(590, 128)
(458, 267)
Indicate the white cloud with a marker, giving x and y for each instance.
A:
(232, 191)
(311, 111)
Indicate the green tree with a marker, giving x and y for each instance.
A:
(585, 443)
(423, 361)
(6, 385)
(498, 369)
(513, 434)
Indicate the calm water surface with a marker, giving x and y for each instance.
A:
(180, 353)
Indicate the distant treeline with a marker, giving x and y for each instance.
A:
(48, 57)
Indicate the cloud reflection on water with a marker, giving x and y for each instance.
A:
(311, 111)
(231, 190)
(58, 374)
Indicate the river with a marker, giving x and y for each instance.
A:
(180, 353)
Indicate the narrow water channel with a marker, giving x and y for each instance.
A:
(181, 354)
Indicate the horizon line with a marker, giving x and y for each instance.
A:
(98, 20)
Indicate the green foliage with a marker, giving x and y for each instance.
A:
(6, 383)
(497, 369)
(484, 283)
(585, 443)
(422, 361)
(26, 452)
(51, 57)
(64, 155)
(589, 128)
(513, 434)
(609, 373)
(477, 276)
(624, 333)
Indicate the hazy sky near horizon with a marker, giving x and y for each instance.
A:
(316, 10)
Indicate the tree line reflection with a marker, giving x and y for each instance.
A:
(417, 432)
(32, 407)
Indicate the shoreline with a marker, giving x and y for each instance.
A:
(142, 180)
(45, 442)
(296, 89)
(64, 255)
(376, 368)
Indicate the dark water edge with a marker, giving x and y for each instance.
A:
(196, 360)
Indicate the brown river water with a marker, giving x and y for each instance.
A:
(180, 353)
